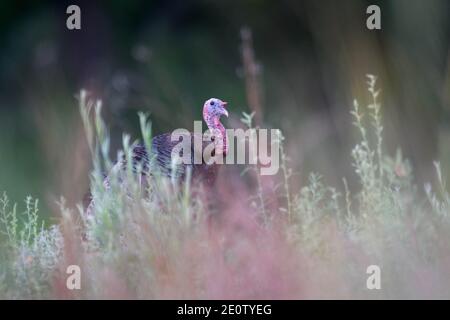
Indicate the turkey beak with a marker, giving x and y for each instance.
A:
(224, 111)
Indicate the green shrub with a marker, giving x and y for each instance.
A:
(158, 239)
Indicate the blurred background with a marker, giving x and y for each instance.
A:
(302, 68)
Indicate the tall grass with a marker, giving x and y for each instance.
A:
(149, 237)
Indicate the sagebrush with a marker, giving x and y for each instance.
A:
(163, 240)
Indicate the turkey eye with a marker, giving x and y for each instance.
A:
(211, 103)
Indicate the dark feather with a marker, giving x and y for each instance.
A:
(161, 155)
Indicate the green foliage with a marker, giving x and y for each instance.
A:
(29, 253)
(150, 236)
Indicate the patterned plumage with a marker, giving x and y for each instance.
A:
(163, 146)
(160, 157)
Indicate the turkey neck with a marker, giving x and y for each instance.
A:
(214, 126)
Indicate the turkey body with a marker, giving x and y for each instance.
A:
(159, 159)
(161, 154)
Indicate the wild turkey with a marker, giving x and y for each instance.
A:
(163, 147)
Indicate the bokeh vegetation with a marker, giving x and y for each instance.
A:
(299, 65)
(160, 239)
(167, 57)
